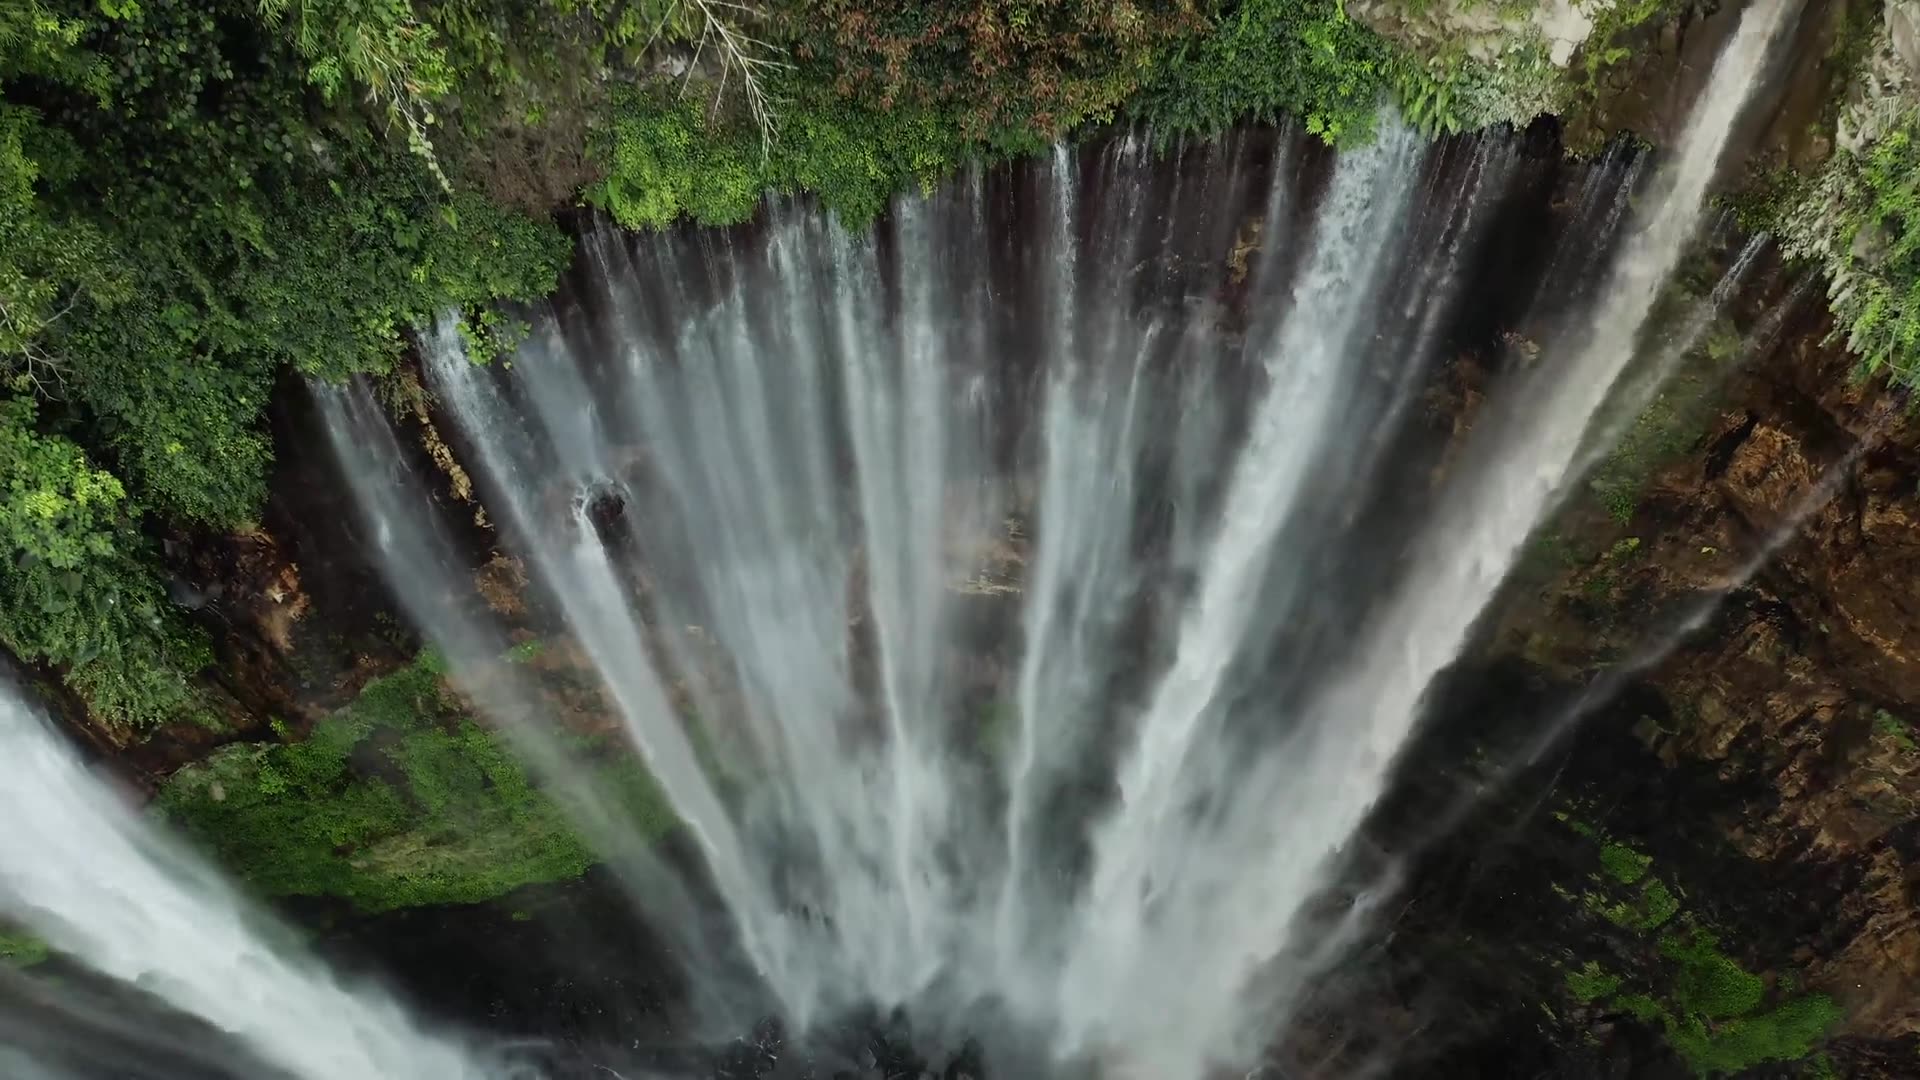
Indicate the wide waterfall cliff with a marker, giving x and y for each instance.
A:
(1155, 607)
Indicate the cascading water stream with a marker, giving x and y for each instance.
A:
(1217, 915)
(80, 867)
(998, 628)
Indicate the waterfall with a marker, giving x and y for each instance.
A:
(81, 867)
(1207, 916)
(774, 481)
(1024, 602)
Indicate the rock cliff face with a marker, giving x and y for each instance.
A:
(1808, 691)
(1656, 69)
(1688, 778)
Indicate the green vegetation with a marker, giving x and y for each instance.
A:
(1275, 58)
(1788, 1032)
(20, 949)
(1889, 725)
(1715, 1013)
(667, 158)
(1851, 217)
(885, 95)
(396, 800)
(188, 208)
(77, 589)
(889, 94)
(1646, 908)
(1616, 36)
(1623, 864)
(1600, 584)
(1613, 23)
(1866, 203)
(1709, 983)
(1580, 827)
(1624, 893)
(526, 652)
(1000, 72)
(1591, 983)
(1852, 220)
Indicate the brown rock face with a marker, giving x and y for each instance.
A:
(1801, 700)
(1656, 68)
(1766, 474)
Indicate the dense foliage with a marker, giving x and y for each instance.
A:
(1852, 220)
(1852, 217)
(182, 217)
(884, 94)
(1870, 202)
(78, 591)
(1272, 58)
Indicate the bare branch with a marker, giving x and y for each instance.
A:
(699, 50)
(742, 55)
(45, 371)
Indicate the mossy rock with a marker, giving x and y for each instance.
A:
(397, 800)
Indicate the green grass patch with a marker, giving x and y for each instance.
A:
(1591, 983)
(1648, 908)
(854, 138)
(1713, 1011)
(1787, 1033)
(20, 949)
(1889, 725)
(1623, 864)
(1714, 1014)
(1710, 983)
(397, 800)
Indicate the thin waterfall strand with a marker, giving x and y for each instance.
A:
(81, 867)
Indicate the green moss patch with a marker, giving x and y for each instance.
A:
(1646, 908)
(1623, 864)
(1714, 1012)
(397, 800)
(21, 949)
(889, 97)
(1787, 1032)
(1885, 723)
(1710, 983)
(1591, 983)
